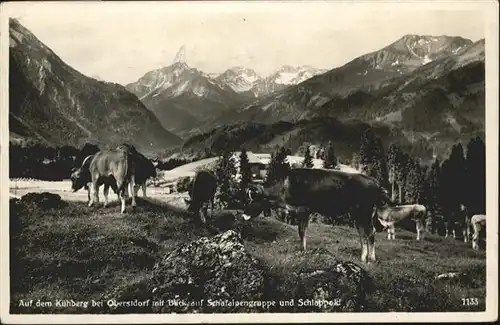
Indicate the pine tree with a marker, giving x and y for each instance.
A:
(414, 183)
(329, 159)
(432, 181)
(225, 172)
(476, 176)
(308, 162)
(452, 170)
(366, 153)
(246, 174)
(393, 165)
(372, 158)
(380, 172)
(401, 174)
(278, 167)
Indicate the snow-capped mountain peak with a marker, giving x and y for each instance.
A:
(238, 78)
(243, 79)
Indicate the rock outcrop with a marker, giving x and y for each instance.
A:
(196, 276)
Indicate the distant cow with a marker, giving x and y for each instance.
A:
(457, 219)
(390, 215)
(119, 163)
(327, 192)
(478, 222)
(202, 193)
(80, 177)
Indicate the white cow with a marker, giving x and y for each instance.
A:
(478, 222)
(390, 215)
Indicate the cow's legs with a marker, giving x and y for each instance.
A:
(95, 194)
(364, 242)
(475, 239)
(364, 223)
(303, 221)
(135, 188)
(122, 190)
(106, 192)
(391, 232)
(88, 192)
(371, 247)
(132, 186)
(144, 189)
(203, 211)
(420, 228)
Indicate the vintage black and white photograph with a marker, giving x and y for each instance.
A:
(224, 158)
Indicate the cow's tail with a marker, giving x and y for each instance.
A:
(127, 170)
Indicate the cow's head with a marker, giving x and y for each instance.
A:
(258, 202)
(78, 179)
(196, 209)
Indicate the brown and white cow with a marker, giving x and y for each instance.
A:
(478, 222)
(327, 192)
(390, 215)
(201, 193)
(120, 164)
(80, 178)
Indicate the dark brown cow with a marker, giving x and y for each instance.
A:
(144, 169)
(458, 219)
(327, 192)
(119, 163)
(202, 193)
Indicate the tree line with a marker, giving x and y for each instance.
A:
(442, 187)
(36, 160)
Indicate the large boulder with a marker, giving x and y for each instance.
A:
(44, 200)
(194, 276)
(340, 287)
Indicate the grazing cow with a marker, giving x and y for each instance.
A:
(467, 225)
(457, 219)
(390, 215)
(327, 192)
(144, 169)
(478, 222)
(119, 163)
(202, 193)
(80, 177)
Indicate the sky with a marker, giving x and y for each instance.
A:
(120, 42)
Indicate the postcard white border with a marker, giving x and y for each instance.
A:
(490, 9)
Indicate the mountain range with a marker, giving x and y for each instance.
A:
(423, 91)
(184, 99)
(52, 103)
(425, 88)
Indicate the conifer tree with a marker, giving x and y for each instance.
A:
(225, 172)
(278, 167)
(366, 151)
(246, 174)
(432, 181)
(476, 176)
(401, 174)
(393, 165)
(330, 159)
(308, 162)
